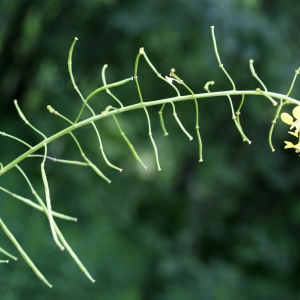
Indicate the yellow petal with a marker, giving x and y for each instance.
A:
(289, 145)
(293, 133)
(296, 112)
(286, 118)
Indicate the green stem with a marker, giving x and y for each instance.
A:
(36, 206)
(98, 135)
(180, 124)
(238, 126)
(59, 234)
(105, 87)
(238, 112)
(197, 111)
(107, 90)
(23, 253)
(116, 120)
(161, 118)
(64, 161)
(15, 138)
(26, 121)
(206, 87)
(145, 109)
(44, 178)
(8, 254)
(267, 96)
(129, 144)
(294, 79)
(86, 105)
(255, 75)
(273, 125)
(49, 207)
(87, 160)
(218, 57)
(73, 255)
(140, 106)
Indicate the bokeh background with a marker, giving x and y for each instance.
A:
(227, 228)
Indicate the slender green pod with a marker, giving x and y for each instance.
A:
(23, 254)
(145, 109)
(8, 254)
(218, 58)
(36, 206)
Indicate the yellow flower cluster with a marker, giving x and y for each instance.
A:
(288, 119)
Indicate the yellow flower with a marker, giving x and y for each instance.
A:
(288, 119)
(291, 145)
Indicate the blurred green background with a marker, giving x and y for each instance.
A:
(227, 228)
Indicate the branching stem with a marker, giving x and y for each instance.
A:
(141, 106)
